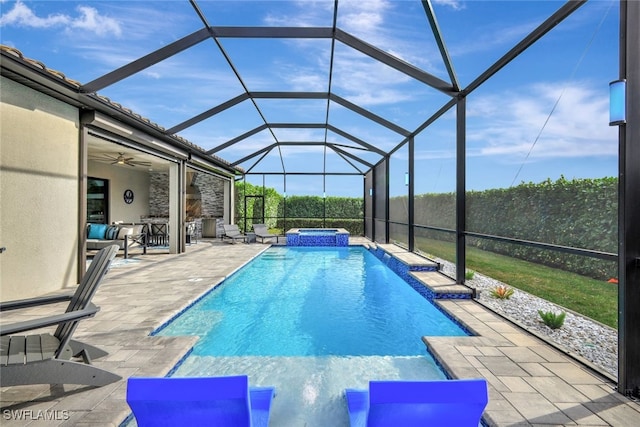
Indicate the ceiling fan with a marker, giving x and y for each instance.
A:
(119, 159)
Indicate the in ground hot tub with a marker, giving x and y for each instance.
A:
(317, 237)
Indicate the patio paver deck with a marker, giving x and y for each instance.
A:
(531, 383)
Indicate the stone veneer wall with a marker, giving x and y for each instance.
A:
(211, 192)
(159, 194)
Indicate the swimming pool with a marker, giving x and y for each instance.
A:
(311, 353)
(313, 302)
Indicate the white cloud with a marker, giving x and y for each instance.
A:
(21, 15)
(355, 73)
(88, 19)
(488, 39)
(505, 126)
(511, 125)
(363, 17)
(92, 21)
(367, 82)
(453, 4)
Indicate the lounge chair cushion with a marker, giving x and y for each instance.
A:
(112, 232)
(97, 231)
(124, 231)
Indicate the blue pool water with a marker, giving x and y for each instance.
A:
(313, 302)
(317, 232)
(312, 322)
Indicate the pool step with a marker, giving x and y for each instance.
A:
(414, 261)
(442, 286)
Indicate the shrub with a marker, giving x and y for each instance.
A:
(551, 319)
(502, 292)
(469, 274)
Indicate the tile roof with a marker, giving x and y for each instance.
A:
(76, 84)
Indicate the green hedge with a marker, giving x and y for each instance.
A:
(579, 213)
(335, 207)
(301, 211)
(272, 202)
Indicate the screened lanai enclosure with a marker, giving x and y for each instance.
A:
(475, 132)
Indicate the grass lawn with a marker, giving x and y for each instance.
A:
(590, 297)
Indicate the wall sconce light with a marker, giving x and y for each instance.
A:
(406, 178)
(617, 101)
(371, 192)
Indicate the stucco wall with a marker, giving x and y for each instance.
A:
(38, 192)
(121, 179)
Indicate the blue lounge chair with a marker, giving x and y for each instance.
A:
(456, 403)
(199, 401)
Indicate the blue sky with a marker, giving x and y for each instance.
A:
(542, 116)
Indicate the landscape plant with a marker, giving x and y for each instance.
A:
(502, 292)
(551, 319)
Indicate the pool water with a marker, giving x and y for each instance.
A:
(312, 322)
(317, 232)
(313, 302)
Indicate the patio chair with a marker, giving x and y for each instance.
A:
(231, 231)
(415, 403)
(45, 358)
(199, 401)
(262, 232)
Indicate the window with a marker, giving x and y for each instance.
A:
(97, 200)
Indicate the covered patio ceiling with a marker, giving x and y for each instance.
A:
(329, 87)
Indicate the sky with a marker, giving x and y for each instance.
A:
(543, 116)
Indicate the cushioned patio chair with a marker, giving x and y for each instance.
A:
(231, 231)
(416, 403)
(199, 401)
(45, 358)
(262, 232)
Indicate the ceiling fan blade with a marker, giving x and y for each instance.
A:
(139, 163)
(102, 158)
(119, 159)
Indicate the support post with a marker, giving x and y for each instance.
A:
(411, 194)
(461, 190)
(629, 206)
(82, 197)
(386, 198)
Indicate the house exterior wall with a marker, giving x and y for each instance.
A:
(39, 185)
(121, 179)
